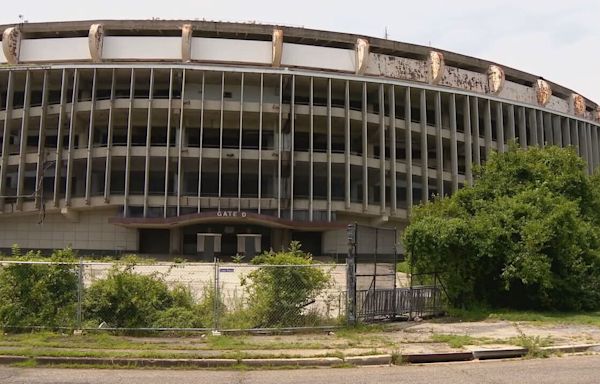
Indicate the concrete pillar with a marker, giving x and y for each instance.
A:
(175, 240)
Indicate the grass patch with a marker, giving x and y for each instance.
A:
(459, 341)
(479, 314)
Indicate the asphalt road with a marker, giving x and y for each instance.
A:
(570, 369)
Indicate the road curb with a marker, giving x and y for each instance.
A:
(300, 362)
(384, 359)
(369, 360)
(572, 348)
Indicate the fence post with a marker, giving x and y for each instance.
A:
(79, 292)
(216, 297)
(351, 275)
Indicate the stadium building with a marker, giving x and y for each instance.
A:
(204, 138)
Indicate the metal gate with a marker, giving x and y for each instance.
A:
(372, 262)
(371, 278)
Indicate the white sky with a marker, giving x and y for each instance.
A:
(555, 39)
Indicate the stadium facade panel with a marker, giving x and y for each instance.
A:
(214, 139)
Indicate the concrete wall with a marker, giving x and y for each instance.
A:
(65, 49)
(316, 57)
(141, 48)
(92, 231)
(231, 50)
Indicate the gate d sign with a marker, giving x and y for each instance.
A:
(231, 214)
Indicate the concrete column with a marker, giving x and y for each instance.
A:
(72, 129)
(522, 128)
(7, 124)
(556, 130)
(548, 131)
(221, 140)
(566, 128)
(175, 240)
(129, 134)
(392, 138)
(575, 136)
(424, 148)
(583, 144)
(311, 150)
(23, 139)
(511, 123)
(533, 131)
(201, 152)
(487, 124)
(347, 144)
(329, 181)
(260, 129)
(180, 142)
(439, 144)
(41, 165)
(90, 143)
(453, 144)
(535, 140)
(475, 128)
(279, 146)
(109, 139)
(468, 141)
(365, 148)
(59, 139)
(595, 146)
(292, 152)
(499, 127)
(148, 143)
(540, 128)
(408, 149)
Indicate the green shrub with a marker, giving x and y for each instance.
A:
(525, 235)
(39, 294)
(279, 292)
(125, 299)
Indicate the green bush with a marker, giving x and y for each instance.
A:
(525, 236)
(125, 299)
(39, 294)
(279, 292)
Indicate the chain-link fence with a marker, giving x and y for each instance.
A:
(177, 296)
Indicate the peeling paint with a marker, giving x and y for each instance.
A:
(396, 67)
(542, 92)
(467, 80)
(577, 104)
(11, 42)
(186, 43)
(362, 55)
(277, 47)
(435, 65)
(495, 79)
(95, 41)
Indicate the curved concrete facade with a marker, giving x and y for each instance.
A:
(139, 135)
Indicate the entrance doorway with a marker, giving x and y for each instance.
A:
(230, 239)
(154, 241)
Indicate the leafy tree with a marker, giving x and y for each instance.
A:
(39, 294)
(524, 236)
(283, 287)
